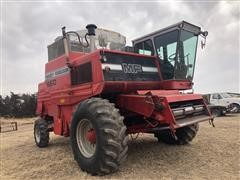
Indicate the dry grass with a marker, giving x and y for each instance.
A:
(213, 154)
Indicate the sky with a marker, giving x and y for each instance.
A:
(27, 27)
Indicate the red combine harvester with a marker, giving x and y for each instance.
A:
(98, 96)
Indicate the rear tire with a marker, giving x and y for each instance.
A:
(235, 106)
(184, 135)
(216, 112)
(111, 140)
(41, 133)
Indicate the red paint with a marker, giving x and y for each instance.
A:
(135, 98)
(91, 136)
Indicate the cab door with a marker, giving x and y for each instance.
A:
(216, 99)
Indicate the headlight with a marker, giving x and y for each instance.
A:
(103, 58)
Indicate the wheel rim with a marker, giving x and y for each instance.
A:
(37, 134)
(85, 146)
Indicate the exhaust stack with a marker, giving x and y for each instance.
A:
(91, 33)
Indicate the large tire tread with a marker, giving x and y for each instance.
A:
(184, 135)
(112, 136)
(42, 125)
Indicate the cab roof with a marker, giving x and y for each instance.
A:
(183, 24)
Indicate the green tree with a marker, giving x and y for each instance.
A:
(17, 105)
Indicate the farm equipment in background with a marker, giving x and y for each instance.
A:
(236, 95)
(223, 101)
(8, 126)
(216, 110)
(97, 93)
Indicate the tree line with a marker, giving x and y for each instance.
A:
(18, 105)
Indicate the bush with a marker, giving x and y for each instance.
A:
(16, 105)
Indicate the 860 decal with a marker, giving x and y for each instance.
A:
(52, 82)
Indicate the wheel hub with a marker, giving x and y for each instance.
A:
(86, 138)
(91, 136)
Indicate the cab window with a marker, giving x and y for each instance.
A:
(145, 47)
(216, 96)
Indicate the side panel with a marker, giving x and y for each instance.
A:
(129, 72)
(126, 67)
(57, 97)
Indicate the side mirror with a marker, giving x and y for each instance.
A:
(203, 33)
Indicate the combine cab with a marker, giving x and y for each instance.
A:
(98, 96)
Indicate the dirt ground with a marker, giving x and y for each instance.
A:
(213, 154)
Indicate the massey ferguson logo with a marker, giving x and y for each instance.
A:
(131, 68)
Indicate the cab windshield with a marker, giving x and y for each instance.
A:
(177, 51)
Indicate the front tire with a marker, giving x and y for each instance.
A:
(41, 133)
(101, 119)
(184, 135)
